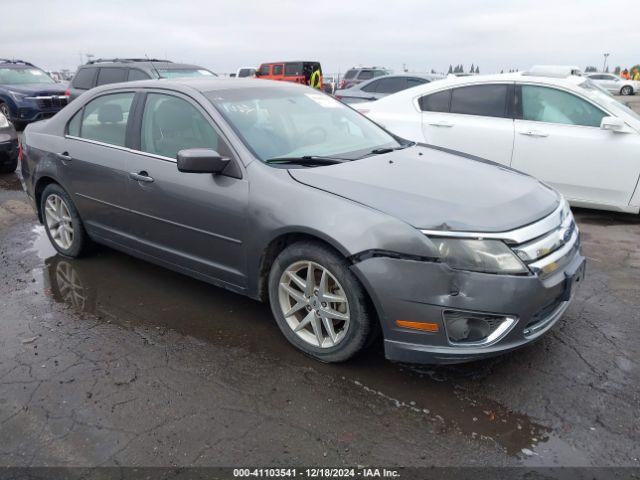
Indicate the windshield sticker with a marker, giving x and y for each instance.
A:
(323, 100)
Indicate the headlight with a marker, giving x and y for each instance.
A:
(17, 96)
(4, 123)
(489, 256)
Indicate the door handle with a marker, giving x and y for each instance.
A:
(141, 177)
(64, 156)
(441, 124)
(534, 133)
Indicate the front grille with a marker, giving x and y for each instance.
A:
(54, 101)
(551, 251)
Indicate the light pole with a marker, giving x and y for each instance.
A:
(604, 67)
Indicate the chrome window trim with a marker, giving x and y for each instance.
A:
(514, 237)
(124, 149)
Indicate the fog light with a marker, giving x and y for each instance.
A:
(468, 328)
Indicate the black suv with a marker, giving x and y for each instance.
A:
(27, 93)
(103, 71)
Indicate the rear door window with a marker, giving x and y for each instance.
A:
(293, 69)
(365, 75)
(391, 85)
(111, 75)
(483, 100)
(371, 86)
(105, 118)
(84, 78)
(436, 102)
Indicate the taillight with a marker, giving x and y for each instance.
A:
(20, 153)
(67, 93)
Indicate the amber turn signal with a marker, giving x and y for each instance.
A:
(424, 326)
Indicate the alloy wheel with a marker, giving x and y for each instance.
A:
(626, 90)
(4, 109)
(314, 304)
(59, 223)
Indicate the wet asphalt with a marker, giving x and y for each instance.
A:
(109, 360)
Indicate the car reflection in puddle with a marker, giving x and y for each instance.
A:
(124, 291)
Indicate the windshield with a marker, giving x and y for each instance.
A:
(290, 122)
(602, 96)
(185, 72)
(23, 76)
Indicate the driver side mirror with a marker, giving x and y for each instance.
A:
(201, 160)
(613, 124)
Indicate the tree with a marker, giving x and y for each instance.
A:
(433, 71)
(617, 70)
(472, 69)
(606, 70)
(477, 69)
(450, 69)
(590, 68)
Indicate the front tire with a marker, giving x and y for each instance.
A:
(626, 90)
(318, 303)
(62, 222)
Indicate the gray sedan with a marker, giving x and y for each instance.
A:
(382, 86)
(284, 194)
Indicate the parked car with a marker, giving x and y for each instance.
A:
(565, 131)
(358, 75)
(105, 71)
(614, 84)
(305, 73)
(329, 85)
(245, 72)
(284, 194)
(27, 93)
(378, 88)
(8, 146)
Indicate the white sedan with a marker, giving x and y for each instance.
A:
(614, 83)
(565, 131)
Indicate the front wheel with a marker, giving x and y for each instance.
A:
(319, 305)
(62, 222)
(626, 90)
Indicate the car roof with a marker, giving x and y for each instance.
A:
(149, 64)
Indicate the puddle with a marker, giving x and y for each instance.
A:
(122, 290)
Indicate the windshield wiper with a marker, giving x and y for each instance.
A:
(307, 160)
(383, 150)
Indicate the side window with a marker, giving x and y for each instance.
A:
(436, 102)
(391, 85)
(171, 124)
(544, 104)
(414, 82)
(370, 87)
(277, 69)
(365, 75)
(84, 78)
(111, 75)
(73, 127)
(484, 100)
(264, 70)
(105, 118)
(135, 74)
(379, 73)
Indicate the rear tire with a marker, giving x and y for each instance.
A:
(626, 90)
(62, 222)
(329, 319)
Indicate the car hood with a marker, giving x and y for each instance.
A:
(433, 189)
(37, 89)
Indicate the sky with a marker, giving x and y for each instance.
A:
(421, 35)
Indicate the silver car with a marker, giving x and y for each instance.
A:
(614, 84)
(378, 88)
(284, 194)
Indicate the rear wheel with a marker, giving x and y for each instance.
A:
(62, 222)
(626, 90)
(318, 303)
